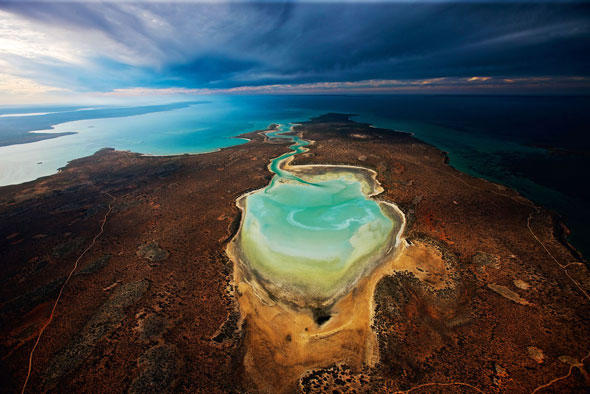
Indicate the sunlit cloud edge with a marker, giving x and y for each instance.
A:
(474, 83)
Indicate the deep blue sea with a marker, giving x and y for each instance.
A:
(539, 146)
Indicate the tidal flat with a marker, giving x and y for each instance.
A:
(311, 233)
(427, 317)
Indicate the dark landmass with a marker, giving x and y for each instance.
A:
(17, 129)
(152, 307)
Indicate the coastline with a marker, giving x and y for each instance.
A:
(433, 320)
(575, 245)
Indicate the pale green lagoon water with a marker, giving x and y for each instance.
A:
(312, 236)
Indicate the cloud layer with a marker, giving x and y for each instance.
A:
(103, 47)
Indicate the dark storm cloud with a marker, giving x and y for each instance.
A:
(225, 45)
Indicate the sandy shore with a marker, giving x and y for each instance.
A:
(474, 300)
(319, 173)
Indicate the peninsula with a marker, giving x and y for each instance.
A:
(327, 255)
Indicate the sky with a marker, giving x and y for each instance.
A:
(99, 51)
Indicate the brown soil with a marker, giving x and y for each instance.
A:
(428, 319)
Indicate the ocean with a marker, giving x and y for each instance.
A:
(539, 146)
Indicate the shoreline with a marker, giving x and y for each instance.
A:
(309, 171)
(561, 221)
(471, 283)
(328, 330)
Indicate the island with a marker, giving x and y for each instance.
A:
(323, 256)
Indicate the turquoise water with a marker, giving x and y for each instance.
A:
(500, 138)
(201, 127)
(299, 146)
(313, 235)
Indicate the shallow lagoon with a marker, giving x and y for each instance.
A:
(311, 237)
(313, 232)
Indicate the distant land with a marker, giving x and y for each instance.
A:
(16, 123)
